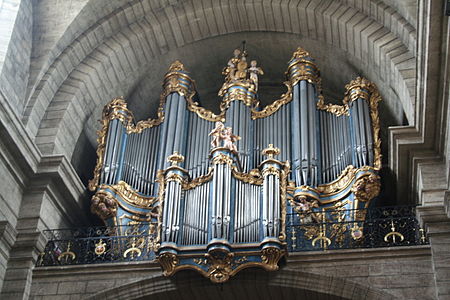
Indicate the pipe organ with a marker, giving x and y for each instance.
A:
(217, 188)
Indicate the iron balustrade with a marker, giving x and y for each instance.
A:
(319, 230)
(358, 228)
(93, 245)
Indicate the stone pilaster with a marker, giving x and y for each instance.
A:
(27, 246)
(434, 214)
(7, 239)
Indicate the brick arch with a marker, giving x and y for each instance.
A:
(80, 80)
(249, 284)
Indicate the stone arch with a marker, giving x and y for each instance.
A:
(248, 284)
(72, 84)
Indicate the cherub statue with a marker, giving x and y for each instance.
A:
(216, 134)
(254, 72)
(229, 138)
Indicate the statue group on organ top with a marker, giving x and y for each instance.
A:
(225, 134)
(237, 70)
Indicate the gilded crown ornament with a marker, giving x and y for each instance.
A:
(271, 151)
(175, 159)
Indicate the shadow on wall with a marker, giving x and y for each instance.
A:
(248, 284)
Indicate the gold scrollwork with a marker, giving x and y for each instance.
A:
(222, 159)
(274, 106)
(344, 180)
(270, 256)
(253, 177)
(168, 262)
(199, 180)
(174, 177)
(161, 193)
(271, 170)
(129, 195)
(339, 110)
(283, 197)
(237, 94)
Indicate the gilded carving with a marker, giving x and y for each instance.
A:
(271, 151)
(199, 180)
(271, 170)
(253, 177)
(221, 159)
(304, 206)
(344, 179)
(168, 262)
(103, 204)
(367, 90)
(175, 159)
(270, 257)
(274, 106)
(220, 266)
(129, 195)
(339, 110)
(367, 187)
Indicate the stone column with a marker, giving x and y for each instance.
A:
(28, 244)
(434, 214)
(7, 239)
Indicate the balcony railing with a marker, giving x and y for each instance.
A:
(349, 229)
(320, 230)
(95, 245)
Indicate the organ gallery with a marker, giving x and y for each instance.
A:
(216, 193)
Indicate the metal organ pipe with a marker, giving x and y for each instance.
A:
(368, 127)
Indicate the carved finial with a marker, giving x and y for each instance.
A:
(359, 82)
(299, 53)
(271, 151)
(175, 158)
(176, 66)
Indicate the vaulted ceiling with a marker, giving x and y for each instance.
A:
(87, 52)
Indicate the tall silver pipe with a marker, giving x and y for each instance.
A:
(368, 125)
(360, 103)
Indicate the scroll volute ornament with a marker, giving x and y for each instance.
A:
(366, 188)
(270, 257)
(168, 262)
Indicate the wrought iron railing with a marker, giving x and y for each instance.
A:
(95, 245)
(320, 230)
(348, 229)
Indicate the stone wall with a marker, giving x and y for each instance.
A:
(403, 272)
(15, 64)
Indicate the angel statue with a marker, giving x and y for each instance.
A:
(229, 138)
(254, 72)
(216, 134)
